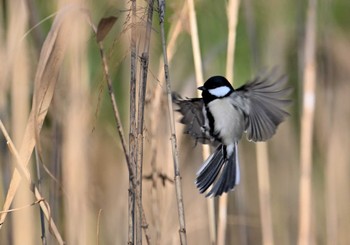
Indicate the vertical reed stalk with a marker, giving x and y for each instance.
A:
(155, 112)
(75, 156)
(140, 119)
(42, 220)
(17, 60)
(195, 43)
(261, 147)
(307, 120)
(131, 169)
(132, 128)
(178, 187)
(232, 15)
(264, 193)
(199, 82)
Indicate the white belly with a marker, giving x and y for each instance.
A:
(229, 122)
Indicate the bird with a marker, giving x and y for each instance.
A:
(223, 114)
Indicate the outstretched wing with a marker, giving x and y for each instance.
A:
(263, 100)
(192, 116)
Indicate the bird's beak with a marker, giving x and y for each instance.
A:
(201, 88)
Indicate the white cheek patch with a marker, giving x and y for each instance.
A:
(219, 91)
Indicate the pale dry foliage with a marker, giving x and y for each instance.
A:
(53, 101)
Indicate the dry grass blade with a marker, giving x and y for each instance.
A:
(23, 171)
(51, 57)
(24, 207)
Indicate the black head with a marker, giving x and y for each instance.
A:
(216, 87)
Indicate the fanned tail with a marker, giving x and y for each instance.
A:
(220, 170)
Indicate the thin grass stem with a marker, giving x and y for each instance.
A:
(177, 178)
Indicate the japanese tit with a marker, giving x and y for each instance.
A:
(222, 115)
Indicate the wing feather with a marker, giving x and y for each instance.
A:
(192, 117)
(263, 101)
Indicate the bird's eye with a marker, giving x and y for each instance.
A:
(219, 91)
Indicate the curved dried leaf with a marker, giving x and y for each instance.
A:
(104, 26)
(50, 61)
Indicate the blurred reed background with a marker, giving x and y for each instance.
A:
(53, 95)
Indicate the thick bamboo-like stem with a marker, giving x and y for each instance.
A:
(309, 85)
(178, 187)
(24, 173)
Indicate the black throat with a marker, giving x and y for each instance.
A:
(211, 121)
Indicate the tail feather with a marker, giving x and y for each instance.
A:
(227, 179)
(219, 171)
(208, 172)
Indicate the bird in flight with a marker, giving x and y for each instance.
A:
(221, 117)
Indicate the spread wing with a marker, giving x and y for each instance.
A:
(263, 100)
(192, 116)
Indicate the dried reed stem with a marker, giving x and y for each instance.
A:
(115, 108)
(199, 81)
(38, 174)
(140, 120)
(232, 15)
(178, 187)
(261, 148)
(222, 220)
(210, 208)
(17, 59)
(131, 168)
(155, 112)
(309, 84)
(51, 57)
(98, 227)
(132, 128)
(264, 193)
(24, 173)
(195, 43)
